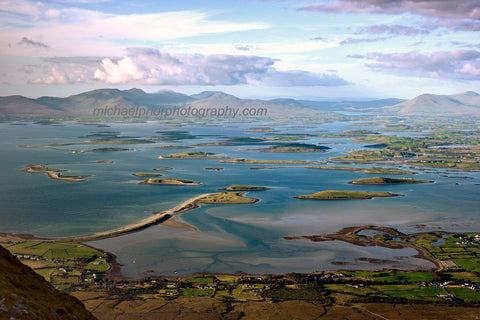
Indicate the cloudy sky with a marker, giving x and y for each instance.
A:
(261, 48)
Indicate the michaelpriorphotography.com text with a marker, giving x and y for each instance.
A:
(176, 111)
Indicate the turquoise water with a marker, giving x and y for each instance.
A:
(229, 238)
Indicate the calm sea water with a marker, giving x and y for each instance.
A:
(229, 238)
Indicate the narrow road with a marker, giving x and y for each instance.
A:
(156, 218)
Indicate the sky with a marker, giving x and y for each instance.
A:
(252, 48)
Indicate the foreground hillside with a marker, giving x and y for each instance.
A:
(26, 295)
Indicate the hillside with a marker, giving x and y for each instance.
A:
(462, 104)
(26, 295)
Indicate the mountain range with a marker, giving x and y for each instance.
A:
(83, 104)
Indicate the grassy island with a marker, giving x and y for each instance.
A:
(162, 168)
(107, 149)
(170, 147)
(239, 187)
(266, 161)
(345, 195)
(190, 155)
(170, 181)
(146, 174)
(226, 198)
(374, 170)
(292, 147)
(383, 180)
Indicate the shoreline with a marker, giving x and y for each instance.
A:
(343, 234)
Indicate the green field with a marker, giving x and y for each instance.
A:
(193, 292)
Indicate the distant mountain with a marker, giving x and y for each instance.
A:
(27, 295)
(83, 104)
(461, 104)
(349, 105)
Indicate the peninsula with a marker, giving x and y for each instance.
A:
(162, 216)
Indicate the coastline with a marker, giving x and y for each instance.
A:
(346, 234)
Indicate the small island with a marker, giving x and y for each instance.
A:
(387, 181)
(170, 146)
(375, 170)
(239, 187)
(291, 147)
(266, 161)
(214, 169)
(170, 182)
(162, 168)
(226, 198)
(146, 174)
(191, 155)
(55, 174)
(107, 149)
(346, 195)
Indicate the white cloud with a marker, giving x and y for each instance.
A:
(123, 71)
(147, 66)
